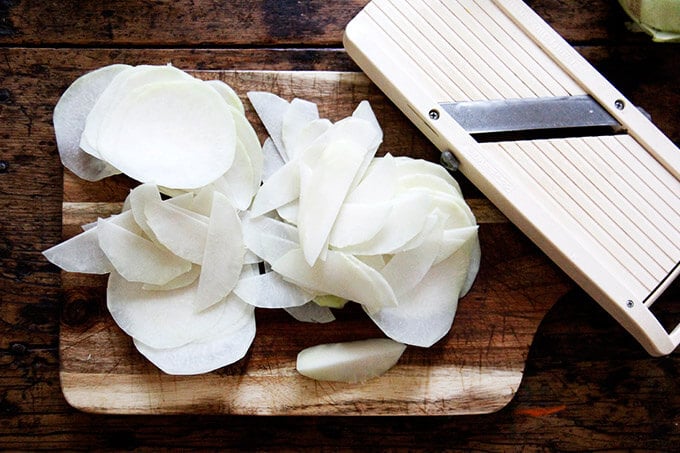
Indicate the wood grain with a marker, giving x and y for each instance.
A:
(212, 23)
(477, 368)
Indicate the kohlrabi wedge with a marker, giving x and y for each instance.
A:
(350, 362)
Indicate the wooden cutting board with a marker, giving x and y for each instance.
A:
(476, 368)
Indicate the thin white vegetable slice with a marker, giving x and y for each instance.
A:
(365, 112)
(311, 312)
(377, 262)
(351, 362)
(429, 182)
(270, 290)
(378, 184)
(181, 281)
(251, 258)
(237, 183)
(139, 198)
(251, 145)
(202, 202)
(289, 211)
(434, 221)
(453, 239)
(223, 256)
(409, 166)
(179, 232)
(458, 213)
(228, 94)
(365, 209)
(272, 160)
(124, 82)
(183, 200)
(360, 131)
(357, 223)
(125, 220)
(190, 210)
(81, 253)
(406, 270)
(271, 110)
(473, 268)
(309, 135)
(425, 314)
(322, 196)
(88, 226)
(297, 117)
(203, 356)
(405, 220)
(70, 115)
(157, 130)
(340, 275)
(160, 319)
(268, 238)
(281, 188)
(138, 259)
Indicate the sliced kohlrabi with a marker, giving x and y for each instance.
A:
(311, 312)
(271, 109)
(322, 196)
(182, 234)
(136, 258)
(160, 319)
(228, 94)
(125, 81)
(222, 344)
(69, 118)
(223, 256)
(350, 362)
(270, 290)
(425, 313)
(205, 355)
(81, 253)
(340, 274)
(296, 118)
(156, 131)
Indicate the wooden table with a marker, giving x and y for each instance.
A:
(587, 384)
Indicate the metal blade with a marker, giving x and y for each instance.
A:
(529, 114)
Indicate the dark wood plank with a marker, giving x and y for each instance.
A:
(262, 22)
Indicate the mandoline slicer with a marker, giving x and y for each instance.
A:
(548, 139)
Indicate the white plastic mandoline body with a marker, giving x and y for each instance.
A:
(605, 208)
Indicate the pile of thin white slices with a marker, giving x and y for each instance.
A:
(326, 220)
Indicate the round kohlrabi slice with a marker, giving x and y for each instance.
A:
(226, 342)
(125, 81)
(69, 118)
(160, 319)
(156, 132)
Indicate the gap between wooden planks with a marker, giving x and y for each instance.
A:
(476, 368)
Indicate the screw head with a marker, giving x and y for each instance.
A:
(619, 104)
(630, 303)
(434, 114)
